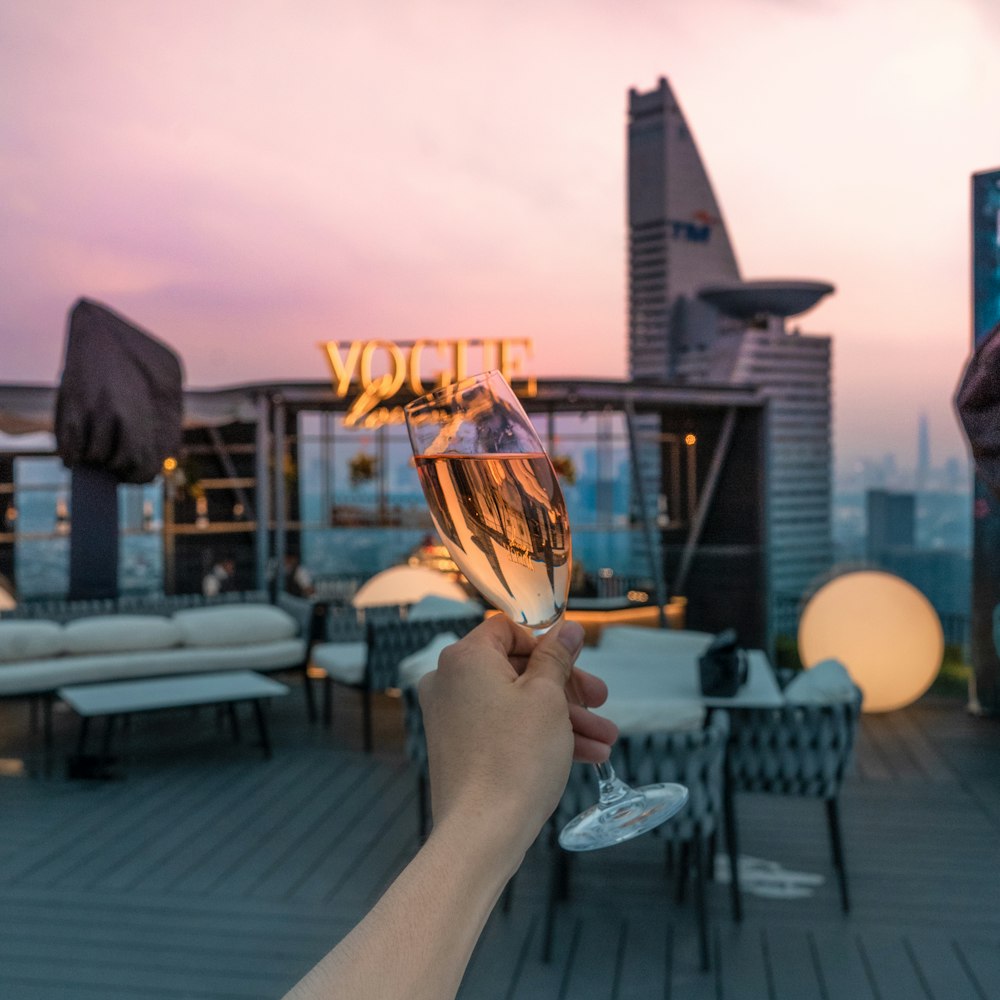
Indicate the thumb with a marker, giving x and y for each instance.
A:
(553, 657)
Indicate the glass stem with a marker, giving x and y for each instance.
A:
(611, 787)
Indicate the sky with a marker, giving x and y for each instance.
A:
(245, 178)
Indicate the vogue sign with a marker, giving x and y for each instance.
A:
(369, 372)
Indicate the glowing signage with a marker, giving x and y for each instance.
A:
(370, 372)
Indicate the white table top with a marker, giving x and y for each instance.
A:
(116, 697)
(652, 677)
(646, 691)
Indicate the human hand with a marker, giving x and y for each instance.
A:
(504, 718)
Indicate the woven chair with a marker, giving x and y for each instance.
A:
(799, 749)
(374, 666)
(694, 758)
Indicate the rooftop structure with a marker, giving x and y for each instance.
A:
(693, 318)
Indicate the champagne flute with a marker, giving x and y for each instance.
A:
(496, 503)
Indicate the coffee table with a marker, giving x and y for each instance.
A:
(123, 698)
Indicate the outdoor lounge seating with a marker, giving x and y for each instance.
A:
(801, 749)
(694, 758)
(372, 665)
(38, 656)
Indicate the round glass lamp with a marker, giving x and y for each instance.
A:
(406, 585)
(882, 629)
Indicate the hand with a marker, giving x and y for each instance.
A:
(503, 723)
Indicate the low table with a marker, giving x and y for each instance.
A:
(117, 698)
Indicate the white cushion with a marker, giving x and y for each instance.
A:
(663, 641)
(120, 633)
(234, 625)
(343, 661)
(49, 674)
(414, 666)
(30, 640)
(433, 606)
(828, 682)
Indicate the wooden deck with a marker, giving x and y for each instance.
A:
(208, 872)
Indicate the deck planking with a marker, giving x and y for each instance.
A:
(210, 872)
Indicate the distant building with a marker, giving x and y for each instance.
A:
(677, 241)
(923, 454)
(692, 318)
(892, 523)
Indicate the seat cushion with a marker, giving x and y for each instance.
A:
(663, 641)
(235, 625)
(826, 683)
(40, 675)
(30, 640)
(343, 661)
(120, 634)
(414, 666)
(433, 606)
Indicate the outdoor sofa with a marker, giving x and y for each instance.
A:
(39, 655)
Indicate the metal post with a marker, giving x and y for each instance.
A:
(655, 563)
(280, 495)
(705, 500)
(263, 491)
(169, 536)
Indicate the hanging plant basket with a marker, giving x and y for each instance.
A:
(362, 468)
(565, 469)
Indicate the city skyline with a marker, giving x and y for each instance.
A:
(246, 181)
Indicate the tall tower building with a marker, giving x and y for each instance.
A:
(677, 239)
(691, 317)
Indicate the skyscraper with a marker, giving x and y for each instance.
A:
(691, 317)
(677, 239)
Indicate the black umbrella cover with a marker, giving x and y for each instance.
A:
(120, 404)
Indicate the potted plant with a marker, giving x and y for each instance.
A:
(565, 468)
(362, 468)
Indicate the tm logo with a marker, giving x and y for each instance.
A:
(699, 230)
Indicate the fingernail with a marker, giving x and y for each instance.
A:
(571, 636)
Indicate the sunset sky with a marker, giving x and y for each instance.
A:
(247, 178)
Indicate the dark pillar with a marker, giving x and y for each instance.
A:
(93, 540)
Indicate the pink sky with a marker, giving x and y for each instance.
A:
(245, 178)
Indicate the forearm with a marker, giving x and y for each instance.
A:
(416, 941)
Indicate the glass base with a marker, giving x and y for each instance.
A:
(610, 823)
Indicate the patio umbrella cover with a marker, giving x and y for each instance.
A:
(120, 402)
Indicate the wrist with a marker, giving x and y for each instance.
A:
(491, 843)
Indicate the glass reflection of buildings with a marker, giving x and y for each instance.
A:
(502, 510)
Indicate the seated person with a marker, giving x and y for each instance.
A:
(501, 736)
(220, 578)
(298, 580)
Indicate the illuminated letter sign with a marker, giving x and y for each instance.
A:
(375, 371)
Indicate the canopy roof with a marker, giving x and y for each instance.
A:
(30, 408)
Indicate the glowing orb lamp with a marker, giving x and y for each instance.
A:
(882, 629)
(406, 585)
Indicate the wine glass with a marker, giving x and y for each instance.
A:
(496, 503)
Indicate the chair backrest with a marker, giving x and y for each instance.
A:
(694, 758)
(304, 611)
(793, 750)
(389, 642)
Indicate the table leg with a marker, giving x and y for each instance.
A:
(109, 728)
(234, 721)
(81, 740)
(265, 742)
